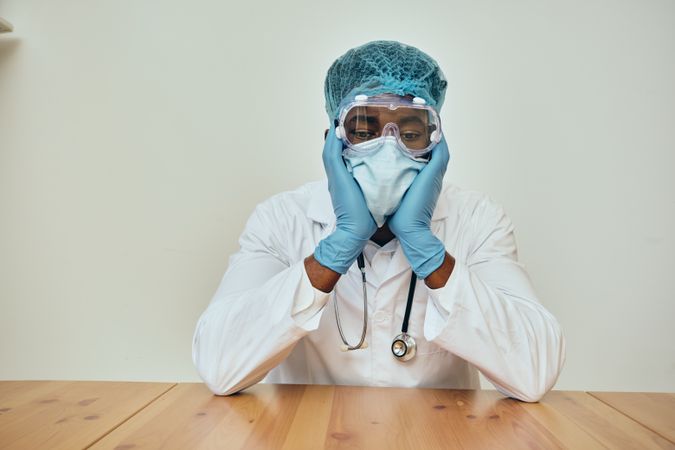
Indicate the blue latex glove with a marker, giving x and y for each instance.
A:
(354, 225)
(411, 223)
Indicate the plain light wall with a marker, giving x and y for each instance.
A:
(136, 137)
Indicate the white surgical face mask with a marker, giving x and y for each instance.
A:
(384, 175)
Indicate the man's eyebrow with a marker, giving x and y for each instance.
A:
(364, 117)
(408, 119)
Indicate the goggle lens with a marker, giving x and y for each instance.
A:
(414, 125)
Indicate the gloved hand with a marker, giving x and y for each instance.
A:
(411, 223)
(354, 225)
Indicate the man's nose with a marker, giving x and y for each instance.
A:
(390, 129)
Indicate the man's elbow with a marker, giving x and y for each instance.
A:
(216, 377)
(230, 388)
(212, 372)
(549, 371)
(542, 375)
(223, 390)
(532, 395)
(218, 382)
(529, 393)
(221, 381)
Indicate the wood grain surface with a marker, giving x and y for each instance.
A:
(315, 416)
(68, 414)
(124, 416)
(655, 411)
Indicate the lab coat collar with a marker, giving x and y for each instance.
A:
(320, 208)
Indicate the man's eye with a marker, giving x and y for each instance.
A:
(363, 135)
(410, 136)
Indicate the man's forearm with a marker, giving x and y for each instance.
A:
(322, 278)
(440, 276)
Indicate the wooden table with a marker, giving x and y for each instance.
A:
(654, 411)
(113, 415)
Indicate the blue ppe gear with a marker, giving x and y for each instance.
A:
(411, 223)
(383, 67)
(383, 174)
(354, 225)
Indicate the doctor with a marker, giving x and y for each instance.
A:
(422, 277)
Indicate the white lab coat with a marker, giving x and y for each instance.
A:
(267, 322)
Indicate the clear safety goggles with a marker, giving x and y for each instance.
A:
(364, 122)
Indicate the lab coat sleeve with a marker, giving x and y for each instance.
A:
(489, 315)
(262, 307)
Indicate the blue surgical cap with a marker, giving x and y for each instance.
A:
(380, 67)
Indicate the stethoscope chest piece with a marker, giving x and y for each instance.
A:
(403, 347)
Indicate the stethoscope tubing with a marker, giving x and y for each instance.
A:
(404, 336)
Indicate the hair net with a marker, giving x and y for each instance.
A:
(383, 67)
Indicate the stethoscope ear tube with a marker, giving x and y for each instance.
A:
(362, 342)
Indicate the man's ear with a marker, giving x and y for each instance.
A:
(325, 134)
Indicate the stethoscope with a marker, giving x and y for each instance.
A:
(403, 346)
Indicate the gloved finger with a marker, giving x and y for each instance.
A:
(332, 158)
(440, 156)
(332, 147)
(437, 165)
